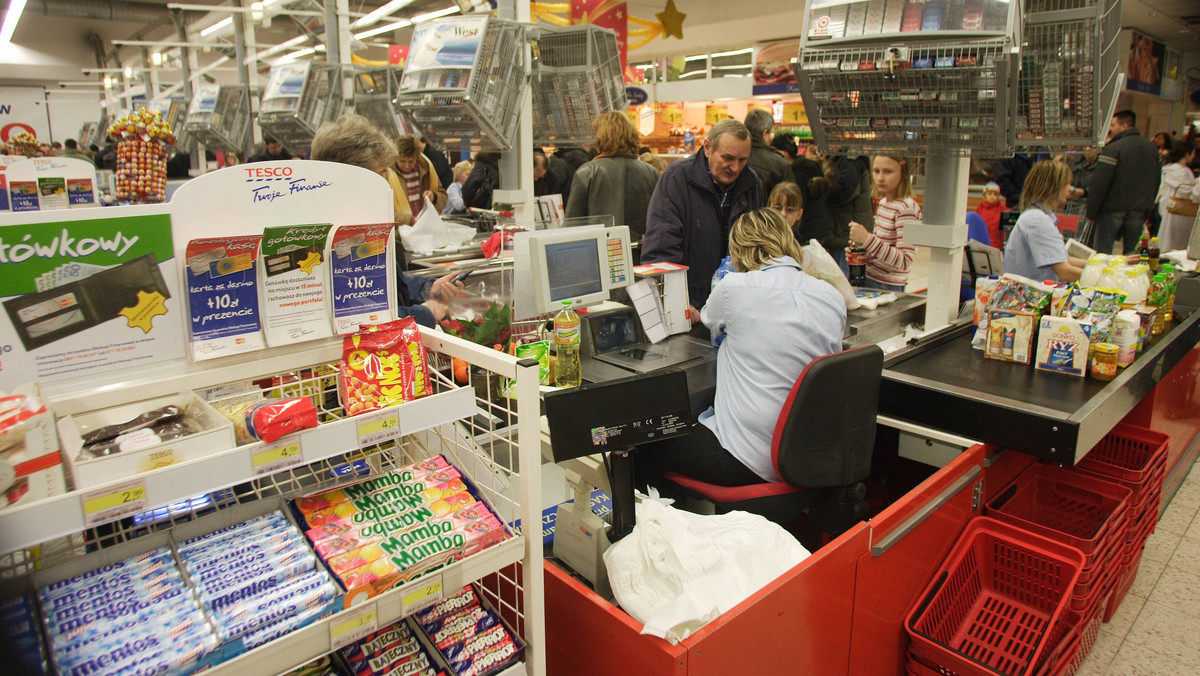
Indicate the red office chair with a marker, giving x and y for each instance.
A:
(822, 447)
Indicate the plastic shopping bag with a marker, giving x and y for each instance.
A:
(819, 264)
(676, 571)
(431, 232)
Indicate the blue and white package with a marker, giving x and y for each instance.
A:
(169, 627)
(112, 587)
(145, 655)
(141, 565)
(304, 584)
(284, 626)
(255, 564)
(270, 546)
(236, 530)
(72, 620)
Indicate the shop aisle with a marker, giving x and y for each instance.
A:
(1154, 632)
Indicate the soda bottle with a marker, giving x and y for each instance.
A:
(1154, 253)
(566, 342)
(857, 261)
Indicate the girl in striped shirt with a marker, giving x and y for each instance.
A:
(889, 259)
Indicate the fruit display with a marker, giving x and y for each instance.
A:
(24, 144)
(142, 139)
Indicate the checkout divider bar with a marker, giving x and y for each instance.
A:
(888, 541)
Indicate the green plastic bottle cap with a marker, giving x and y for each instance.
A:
(566, 303)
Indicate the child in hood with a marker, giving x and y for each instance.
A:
(990, 209)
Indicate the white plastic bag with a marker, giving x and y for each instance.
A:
(819, 264)
(677, 571)
(431, 232)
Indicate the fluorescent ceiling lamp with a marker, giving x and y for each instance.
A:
(281, 46)
(223, 23)
(435, 15)
(156, 58)
(734, 52)
(11, 17)
(382, 29)
(385, 10)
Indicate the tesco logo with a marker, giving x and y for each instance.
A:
(268, 172)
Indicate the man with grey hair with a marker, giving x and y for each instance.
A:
(696, 202)
(770, 166)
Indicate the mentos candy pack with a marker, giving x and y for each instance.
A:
(237, 530)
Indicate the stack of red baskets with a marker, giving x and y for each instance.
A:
(1136, 458)
(1087, 513)
(991, 608)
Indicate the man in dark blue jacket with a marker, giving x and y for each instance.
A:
(696, 202)
(1122, 187)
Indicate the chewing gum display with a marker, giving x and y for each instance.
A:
(326, 499)
(402, 495)
(383, 365)
(361, 277)
(474, 521)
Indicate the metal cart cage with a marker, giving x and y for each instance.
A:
(219, 117)
(576, 77)
(375, 91)
(1069, 73)
(174, 113)
(875, 76)
(469, 93)
(297, 99)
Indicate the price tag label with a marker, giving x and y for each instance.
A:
(355, 626)
(276, 457)
(794, 113)
(422, 595)
(112, 503)
(378, 429)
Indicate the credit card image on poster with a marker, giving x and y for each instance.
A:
(361, 276)
(294, 284)
(46, 316)
(221, 278)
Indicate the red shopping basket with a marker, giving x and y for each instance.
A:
(990, 608)
(1134, 456)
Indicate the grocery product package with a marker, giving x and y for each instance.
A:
(30, 465)
(819, 264)
(382, 365)
(677, 571)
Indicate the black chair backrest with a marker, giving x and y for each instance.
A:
(826, 431)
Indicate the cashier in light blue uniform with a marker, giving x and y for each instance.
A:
(1035, 249)
(776, 319)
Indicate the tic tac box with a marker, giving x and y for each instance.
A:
(1063, 345)
(213, 433)
(1010, 335)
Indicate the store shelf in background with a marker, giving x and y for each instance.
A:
(69, 513)
(313, 641)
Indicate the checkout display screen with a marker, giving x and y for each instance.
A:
(573, 269)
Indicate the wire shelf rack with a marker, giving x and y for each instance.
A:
(489, 444)
(219, 117)
(174, 113)
(576, 77)
(375, 91)
(297, 99)
(1069, 77)
(463, 81)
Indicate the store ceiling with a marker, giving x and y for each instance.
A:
(1175, 22)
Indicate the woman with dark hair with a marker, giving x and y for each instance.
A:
(815, 175)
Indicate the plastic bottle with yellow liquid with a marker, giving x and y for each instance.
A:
(566, 341)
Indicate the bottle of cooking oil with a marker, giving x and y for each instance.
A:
(566, 342)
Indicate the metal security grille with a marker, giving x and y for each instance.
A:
(1069, 73)
(927, 98)
(473, 105)
(577, 76)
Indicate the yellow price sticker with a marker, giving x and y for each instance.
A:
(114, 502)
(356, 625)
(793, 113)
(423, 595)
(276, 457)
(716, 113)
(377, 430)
(672, 114)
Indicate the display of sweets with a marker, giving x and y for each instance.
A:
(391, 528)
(470, 636)
(142, 139)
(257, 580)
(19, 631)
(24, 144)
(138, 611)
(391, 650)
(322, 666)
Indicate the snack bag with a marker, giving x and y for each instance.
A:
(382, 365)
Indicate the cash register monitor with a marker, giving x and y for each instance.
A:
(582, 265)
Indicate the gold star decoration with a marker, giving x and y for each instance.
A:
(149, 306)
(672, 20)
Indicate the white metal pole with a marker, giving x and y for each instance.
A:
(516, 166)
(944, 231)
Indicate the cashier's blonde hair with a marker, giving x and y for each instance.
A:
(759, 237)
(1044, 184)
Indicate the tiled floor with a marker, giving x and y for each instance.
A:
(1156, 631)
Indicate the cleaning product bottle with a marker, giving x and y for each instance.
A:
(566, 342)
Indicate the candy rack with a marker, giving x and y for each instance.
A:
(576, 77)
(219, 117)
(463, 82)
(297, 99)
(375, 92)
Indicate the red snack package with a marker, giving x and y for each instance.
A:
(273, 418)
(382, 365)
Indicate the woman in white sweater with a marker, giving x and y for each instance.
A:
(1176, 181)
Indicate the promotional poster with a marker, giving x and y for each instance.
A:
(361, 276)
(222, 292)
(294, 284)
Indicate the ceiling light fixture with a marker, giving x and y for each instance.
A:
(403, 23)
(11, 17)
(435, 15)
(223, 23)
(373, 17)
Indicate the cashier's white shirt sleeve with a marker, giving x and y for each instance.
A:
(1035, 246)
(776, 320)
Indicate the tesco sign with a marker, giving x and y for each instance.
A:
(268, 172)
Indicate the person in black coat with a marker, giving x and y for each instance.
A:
(482, 181)
(441, 165)
(563, 164)
(815, 176)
